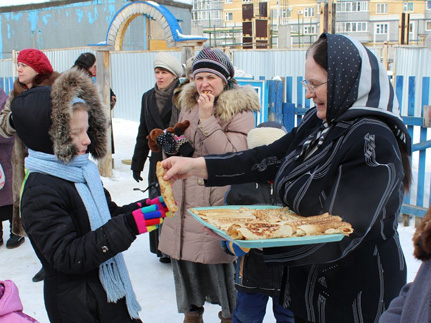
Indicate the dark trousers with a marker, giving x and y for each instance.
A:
(5, 214)
(251, 308)
(299, 320)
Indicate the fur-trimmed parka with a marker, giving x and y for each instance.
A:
(53, 212)
(71, 84)
(7, 130)
(182, 237)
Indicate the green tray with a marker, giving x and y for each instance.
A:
(264, 243)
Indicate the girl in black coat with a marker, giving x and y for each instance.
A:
(349, 157)
(65, 210)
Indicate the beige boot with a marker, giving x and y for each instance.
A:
(194, 317)
(224, 320)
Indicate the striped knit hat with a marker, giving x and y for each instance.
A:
(213, 61)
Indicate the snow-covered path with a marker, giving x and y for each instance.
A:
(152, 280)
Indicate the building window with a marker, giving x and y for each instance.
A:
(246, 1)
(428, 5)
(203, 15)
(227, 1)
(352, 27)
(285, 13)
(309, 29)
(381, 28)
(228, 16)
(350, 6)
(408, 6)
(309, 12)
(382, 8)
(428, 25)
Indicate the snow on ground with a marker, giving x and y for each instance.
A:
(153, 281)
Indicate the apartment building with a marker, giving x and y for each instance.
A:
(301, 21)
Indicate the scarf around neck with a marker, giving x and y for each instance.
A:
(164, 96)
(113, 273)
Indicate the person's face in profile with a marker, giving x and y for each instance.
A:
(316, 78)
(78, 130)
(164, 78)
(93, 70)
(209, 83)
(26, 74)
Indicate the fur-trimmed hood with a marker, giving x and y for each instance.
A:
(41, 116)
(422, 238)
(75, 83)
(229, 102)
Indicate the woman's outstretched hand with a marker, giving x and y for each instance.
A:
(183, 167)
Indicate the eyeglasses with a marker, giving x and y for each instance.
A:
(310, 87)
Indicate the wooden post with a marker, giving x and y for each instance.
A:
(103, 81)
(385, 55)
(332, 16)
(406, 218)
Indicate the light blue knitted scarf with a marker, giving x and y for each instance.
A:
(84, 173)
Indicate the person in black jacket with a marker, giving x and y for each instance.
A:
(349, 157)
(254, 280)
(157, 111)
(76, 230)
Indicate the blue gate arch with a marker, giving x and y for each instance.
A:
(169, 24)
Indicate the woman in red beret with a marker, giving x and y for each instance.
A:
(34, 69)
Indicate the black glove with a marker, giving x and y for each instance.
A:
(186, 150)
(137, 175)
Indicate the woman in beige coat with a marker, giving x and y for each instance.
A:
(220, 114)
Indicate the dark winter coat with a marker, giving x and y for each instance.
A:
(53, 213)
(359, 178)
(252, 274)
(57, 225)
(354, 170)
(150, 119)
(6, 148)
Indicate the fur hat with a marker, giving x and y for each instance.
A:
(42, 115)
(36, 60)
(213, 61)
(265, 133)
(169, 63)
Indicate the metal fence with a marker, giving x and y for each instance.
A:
(132, 74)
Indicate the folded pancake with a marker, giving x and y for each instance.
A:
(256, 224)
(260, 230)
(166, 189)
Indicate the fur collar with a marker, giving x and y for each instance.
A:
(228, 103)
(422, 238)
(70, 84)
(40, 80)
